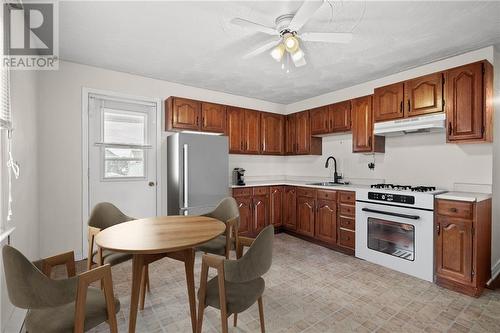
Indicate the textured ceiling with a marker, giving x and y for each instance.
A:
(193, 43)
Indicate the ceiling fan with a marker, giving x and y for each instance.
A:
(288, 36)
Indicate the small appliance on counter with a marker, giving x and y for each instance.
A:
(239, 176)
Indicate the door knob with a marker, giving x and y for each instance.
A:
(151, 184)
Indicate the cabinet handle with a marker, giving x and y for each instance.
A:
(241, 145)
(449, 128)
(453, 210)
(438, 229)
(326, 123)
(197, 120)
(202, 120)
(401, 107)
(409, 106)
(369, 141)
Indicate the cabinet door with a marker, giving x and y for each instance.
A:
(340, 116)
(252, 132)
(362, 124)
(213, 117)
(464, 102)
(454, 249)
(245, 208)
(260, 213)
(272, 133)
(186, 114)
(388, 102)
(290, 135)
(290, 208)
(305, 216)
(424, 95)
(326, 221)
(320, 120)
(235, 121)
(303, 133)
(276, 205)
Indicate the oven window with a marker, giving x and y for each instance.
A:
(396, 239)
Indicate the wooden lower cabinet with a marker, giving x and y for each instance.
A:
(326, 221)
(463, 243)
(276, 205)
(245, 207)
(305, 215)
(260, 206)
(253, 203)
(346, 221)
(290, 208)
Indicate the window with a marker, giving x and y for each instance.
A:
(124, 136)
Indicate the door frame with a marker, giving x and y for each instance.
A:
(85, 152)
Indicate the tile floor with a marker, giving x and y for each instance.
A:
(314, 289)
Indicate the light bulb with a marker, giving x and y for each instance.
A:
(277, 52)
(291, 43)
(297, 55)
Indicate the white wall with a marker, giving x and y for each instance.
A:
(495, 255)
(25, 195)
(60, 140)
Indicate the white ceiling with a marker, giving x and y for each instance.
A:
(193, 43)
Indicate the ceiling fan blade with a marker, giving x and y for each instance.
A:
(261, 49)
(305, 12)
(249, 25)
(326, 37)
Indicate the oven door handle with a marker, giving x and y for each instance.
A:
(406, 216)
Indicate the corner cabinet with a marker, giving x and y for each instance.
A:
(363, 140)
(290, 208)
(463, 245)
(469, 103)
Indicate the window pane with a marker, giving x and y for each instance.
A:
(123, 162)
(124, 127)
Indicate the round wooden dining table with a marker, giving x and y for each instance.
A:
(153, 238)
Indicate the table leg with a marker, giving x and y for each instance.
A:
(137, 266)
(189, 267)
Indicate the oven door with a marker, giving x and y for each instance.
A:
(399, 238)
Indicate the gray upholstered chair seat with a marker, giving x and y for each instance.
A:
(239, 296)
(215, 246)
(111, 257)
(61, 319)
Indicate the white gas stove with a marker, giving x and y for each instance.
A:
(395, 227)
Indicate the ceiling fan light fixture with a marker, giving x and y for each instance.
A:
(291, 43)
(298, 55)
(278, 51)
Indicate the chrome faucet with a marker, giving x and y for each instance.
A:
(336, 177)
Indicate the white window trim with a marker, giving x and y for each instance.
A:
(85, 152)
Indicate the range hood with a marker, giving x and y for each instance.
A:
(429, 123)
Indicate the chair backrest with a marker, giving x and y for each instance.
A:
(105, 215)
(255, 262)
(226, 209)
(29, 288)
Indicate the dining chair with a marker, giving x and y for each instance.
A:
(62, 306)
(238, 283)
(105, 215)
(227, 211)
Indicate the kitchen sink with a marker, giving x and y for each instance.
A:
(328, 184)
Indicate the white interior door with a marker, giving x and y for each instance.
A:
(122, 155)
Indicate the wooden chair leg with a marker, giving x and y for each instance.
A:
(201, 300)
(235, 319)
(91, 251)
(261, 315)
(222, 300)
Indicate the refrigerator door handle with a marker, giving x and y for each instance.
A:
(185, 179)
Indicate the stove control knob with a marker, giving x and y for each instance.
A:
(383, 197)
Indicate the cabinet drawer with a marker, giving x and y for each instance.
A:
(348, 197)
(305, 192)
(326, 195)
(261, 190)
(455, 209)
(347, 223)
(347, 210)
(346, 238)
(242, 192)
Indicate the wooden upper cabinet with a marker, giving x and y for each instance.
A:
(424, 95)
(454, 249)
(388, 102)
(272, 129)
(276, 205)
(290, 134)
(182, 114)
(303, 133)
(469, 102)
(320, 120)
(252, 132)
(290, 208)
(340, 116)
(235, 129)
(305, 215)
(213, 117)
(363, 139)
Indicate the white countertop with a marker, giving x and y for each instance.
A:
(464, 196)
(347, 187)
